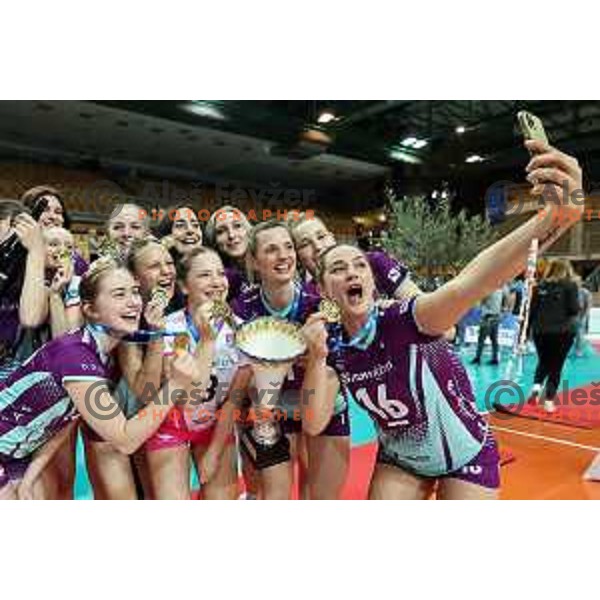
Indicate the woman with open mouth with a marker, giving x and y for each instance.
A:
(227, 231)
(273, 258)
(112, 473)
(395, 363)
(62, 282)
(392, 279)
(197, 431)
(72, 375)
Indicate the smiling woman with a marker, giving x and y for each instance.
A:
(273, 257)
(180, 230)
(126, 224)
(72, 374)
(111, 471)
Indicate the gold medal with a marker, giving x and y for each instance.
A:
(330, 310)
(220, 310)
(108, 248)
(159, 295)
(181, 343)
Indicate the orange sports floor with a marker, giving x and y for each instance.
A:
(550, 460)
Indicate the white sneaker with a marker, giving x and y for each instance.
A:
(549, 406)
(535, 392)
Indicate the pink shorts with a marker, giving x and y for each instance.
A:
(174, 432)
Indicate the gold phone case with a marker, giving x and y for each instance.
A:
(531, 126)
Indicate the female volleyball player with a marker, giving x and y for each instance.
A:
(197, 431)
(273, 258)
(63, 283)
(35, 312)
(74, 374)
(227, 230)
(411, 383)
(111, 471)
(48, 209)
(180, 231)
(312, 238)
(126, 223)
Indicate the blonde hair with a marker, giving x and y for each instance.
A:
(145, 220)
(89, 286)
(138, 247)
(185, 265)
(210, 231)
(558, 269)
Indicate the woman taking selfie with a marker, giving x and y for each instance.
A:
(404, 375)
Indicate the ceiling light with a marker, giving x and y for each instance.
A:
(409, 142)
(474, 158)
(326, 117)
(434, 194)
(419, 144)
(444, 194)
(406, 157)
(460, 129)
(208, 110)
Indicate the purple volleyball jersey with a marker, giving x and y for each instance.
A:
(80, 264)
(238, 283)
(417, 392)
(388, 273)
(249, 305)
(34, 404)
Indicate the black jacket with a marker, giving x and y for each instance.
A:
(554, 307)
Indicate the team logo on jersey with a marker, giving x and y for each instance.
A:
(394, 275)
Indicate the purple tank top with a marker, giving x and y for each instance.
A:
(417, 392)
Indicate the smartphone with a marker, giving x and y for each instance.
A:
(531, 126)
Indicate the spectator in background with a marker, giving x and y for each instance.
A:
(491, 312)
(48, 208)
(517, 292)
(583, 319)
(554, 311)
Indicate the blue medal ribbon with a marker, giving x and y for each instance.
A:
(290, 312)
(361, 340)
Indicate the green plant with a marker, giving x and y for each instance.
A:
(432, 240)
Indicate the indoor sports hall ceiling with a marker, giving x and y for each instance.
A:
(351, 144)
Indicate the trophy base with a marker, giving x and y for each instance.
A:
(262, 455)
